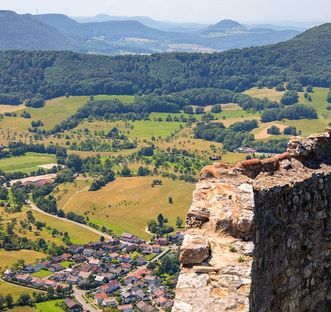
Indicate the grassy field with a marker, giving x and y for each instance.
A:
(58, 109)
(128, 203)
(14, 290)
(78, 235)
(8, 258)
(10, 108)
(22, 309)
(42, 274)
(26, 163)
(49, 306)
(271, 94)
(306, 126)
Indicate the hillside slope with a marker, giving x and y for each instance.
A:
(306, 58)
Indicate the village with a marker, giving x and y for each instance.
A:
(116, 273)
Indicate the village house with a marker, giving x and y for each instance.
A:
(156, 248)
(145, 307)
(75, 249)
(99, 297)
(126, 308)
(23, 278)
(72, 305)
(128, 297)
(88, 252)
(124, 258)
(130, 238)
(109, 302)
(163, 241)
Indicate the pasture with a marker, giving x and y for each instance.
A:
(26, 163)
(126, 204)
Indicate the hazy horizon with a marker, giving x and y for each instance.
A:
(206, 11)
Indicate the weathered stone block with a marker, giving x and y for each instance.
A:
(195, 249)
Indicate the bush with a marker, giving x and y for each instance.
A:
(290, 97)
(35, 102)
(290, 130)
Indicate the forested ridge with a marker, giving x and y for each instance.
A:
(305, 58)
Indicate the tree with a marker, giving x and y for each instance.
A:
(329, 97)
(24, 299)
(74, 163)
(9, 301)
(216, 109)
(290, 97)
(290, 130)
(170, 201)
(188, 109)
(274, 130)
(199, 110)
(309, 89)
(160, 219)
(179, 222)
(280, 87)
(126, 172)
(3, 193)
(35, 102)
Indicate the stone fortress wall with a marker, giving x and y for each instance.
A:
(259, 234)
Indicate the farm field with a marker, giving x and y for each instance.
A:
(126, 204)
(26, 163)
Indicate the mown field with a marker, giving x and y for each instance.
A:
(126, 204)
(26, 163)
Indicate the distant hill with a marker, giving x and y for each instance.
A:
(226, 25)
(60, 32)
(25, 32)
(147, 21)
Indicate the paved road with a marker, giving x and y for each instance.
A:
(78, 294)
(34, 207)
(160, 255)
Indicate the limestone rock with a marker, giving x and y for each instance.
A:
(195, 249)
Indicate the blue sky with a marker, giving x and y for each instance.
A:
(185, 10)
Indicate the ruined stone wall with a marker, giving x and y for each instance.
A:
(259, 234)
(292, 255)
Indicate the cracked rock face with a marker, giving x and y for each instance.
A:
(195, 249)
(258, 234)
